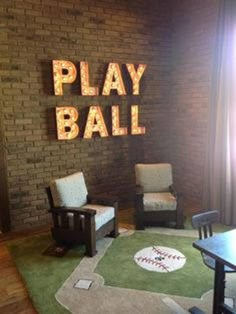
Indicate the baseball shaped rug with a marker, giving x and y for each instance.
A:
(160, 259)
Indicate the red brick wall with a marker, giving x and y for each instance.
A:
(194, 29)
(33, 33)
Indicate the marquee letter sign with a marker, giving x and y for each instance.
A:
(136, 76)
(115, 116)
(95, 123)
(60, 66)
(86, 90)
(135, 129)
(64, 72)
(113, 80)
(66, 117)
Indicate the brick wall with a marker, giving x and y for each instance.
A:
(194, 29)
(35, 32)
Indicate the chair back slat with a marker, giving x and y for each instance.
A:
(200, 233)
(210, 230)
(205, 231)
(203, 222)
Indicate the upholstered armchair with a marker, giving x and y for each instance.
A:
(79, 217)
(156, 201)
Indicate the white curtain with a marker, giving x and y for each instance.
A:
(220, 181)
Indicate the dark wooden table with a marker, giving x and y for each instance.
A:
(221, 247)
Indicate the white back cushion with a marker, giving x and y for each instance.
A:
(154, 177)
(69, 191)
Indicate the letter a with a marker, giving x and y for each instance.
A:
(95, 123)
(113, 80)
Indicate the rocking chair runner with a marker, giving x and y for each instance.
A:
(77, 216)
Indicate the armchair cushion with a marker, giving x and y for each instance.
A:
(154, 177)
(103, 214)
(69, 191)
(159, 201)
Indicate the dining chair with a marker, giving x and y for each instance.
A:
(204, 222)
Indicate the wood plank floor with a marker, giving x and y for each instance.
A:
(14, 297)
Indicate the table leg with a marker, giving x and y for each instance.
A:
(219, 288)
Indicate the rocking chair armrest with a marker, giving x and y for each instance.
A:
(138, 190)
(101, 200)
(74, 210)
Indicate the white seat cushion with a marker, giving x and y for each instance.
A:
(103, 215)
(71, 191)
(159, 201)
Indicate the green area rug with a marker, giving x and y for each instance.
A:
(43, 274)
(119, 269)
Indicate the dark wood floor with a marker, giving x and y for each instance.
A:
(14, 298)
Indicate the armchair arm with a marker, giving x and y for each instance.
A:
(87, 212)
(174, 192)
(180, 215)
(61, 219)
(101, 200)
(138, 190)
(139, 198)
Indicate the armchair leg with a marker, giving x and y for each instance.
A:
(139, 212)
(139, 223)
(180, 220)
(90, 249)
(115, 231)
(90, 237)
(139, 227)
